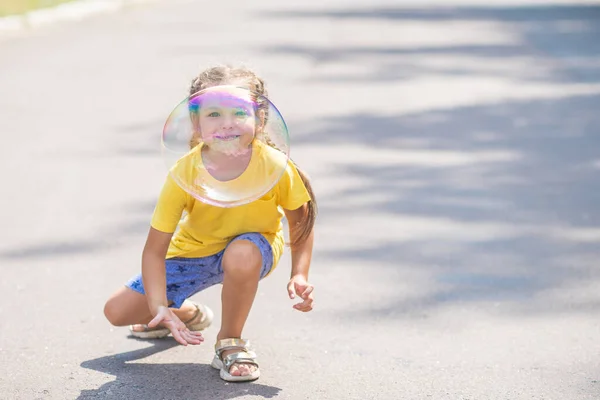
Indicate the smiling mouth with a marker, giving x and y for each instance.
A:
(227, 137)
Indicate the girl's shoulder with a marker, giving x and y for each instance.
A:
(274, 158)
(183, 165)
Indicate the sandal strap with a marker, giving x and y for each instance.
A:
(233, 343)
(198, 312)
(241, 357)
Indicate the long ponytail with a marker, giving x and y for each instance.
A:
(302, 231)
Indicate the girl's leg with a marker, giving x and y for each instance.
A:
(242, 264)
(128, 307)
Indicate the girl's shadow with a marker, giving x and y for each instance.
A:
(165, 381)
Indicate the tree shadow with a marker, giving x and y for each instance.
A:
(564, 36)
(165, 381)
(493, 202)
(522, 13)
(537, 159)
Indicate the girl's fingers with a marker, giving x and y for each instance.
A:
(290, 289)
(307, 301)
(178, 337)
(155, 321)
(174, 327)
(299, 307)
(181, 333)
(306, 305)
(191, 337)
(197, 335)
(308, 291)
(178, 329)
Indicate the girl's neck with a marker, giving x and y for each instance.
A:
(223, 166)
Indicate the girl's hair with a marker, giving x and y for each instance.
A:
(223, 75)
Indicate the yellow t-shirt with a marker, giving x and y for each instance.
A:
(207, 229)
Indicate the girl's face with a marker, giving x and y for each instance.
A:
(227, 120)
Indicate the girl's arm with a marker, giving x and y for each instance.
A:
(155, 285)
(301, 257)
(301, 251)
(153, 269)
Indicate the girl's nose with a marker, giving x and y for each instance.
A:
(228, 122)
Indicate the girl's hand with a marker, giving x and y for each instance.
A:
(299, 286)
(180, 332)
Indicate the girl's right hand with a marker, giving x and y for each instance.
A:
(180, 332)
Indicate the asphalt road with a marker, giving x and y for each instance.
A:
(455, 150)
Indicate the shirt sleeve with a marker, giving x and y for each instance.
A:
(292, 192)
(169, 207)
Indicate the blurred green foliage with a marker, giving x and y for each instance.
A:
(14, 7)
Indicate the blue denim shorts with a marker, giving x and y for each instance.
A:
(188, 276)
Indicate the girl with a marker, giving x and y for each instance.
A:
(235, 246)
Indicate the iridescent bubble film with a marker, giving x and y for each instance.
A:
(225, 145)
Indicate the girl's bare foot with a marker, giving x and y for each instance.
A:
(239, 369)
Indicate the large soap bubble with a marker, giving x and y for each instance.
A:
(226, 145)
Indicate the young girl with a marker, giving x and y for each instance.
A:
(234, 246)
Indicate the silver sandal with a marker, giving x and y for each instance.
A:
(244, 356)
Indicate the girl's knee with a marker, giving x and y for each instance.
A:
(118, 310)
(112, 312)
(242, 256)
(126, 307)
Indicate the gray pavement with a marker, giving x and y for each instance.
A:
(455, 149)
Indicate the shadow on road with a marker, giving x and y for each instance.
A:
(499, 201)
(494, 201)
(562, 34)
(165, 381)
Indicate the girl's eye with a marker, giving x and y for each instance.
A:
(214, 114)
(241, 113)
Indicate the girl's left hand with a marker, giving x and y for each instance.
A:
(299, 286)
(180, 332)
